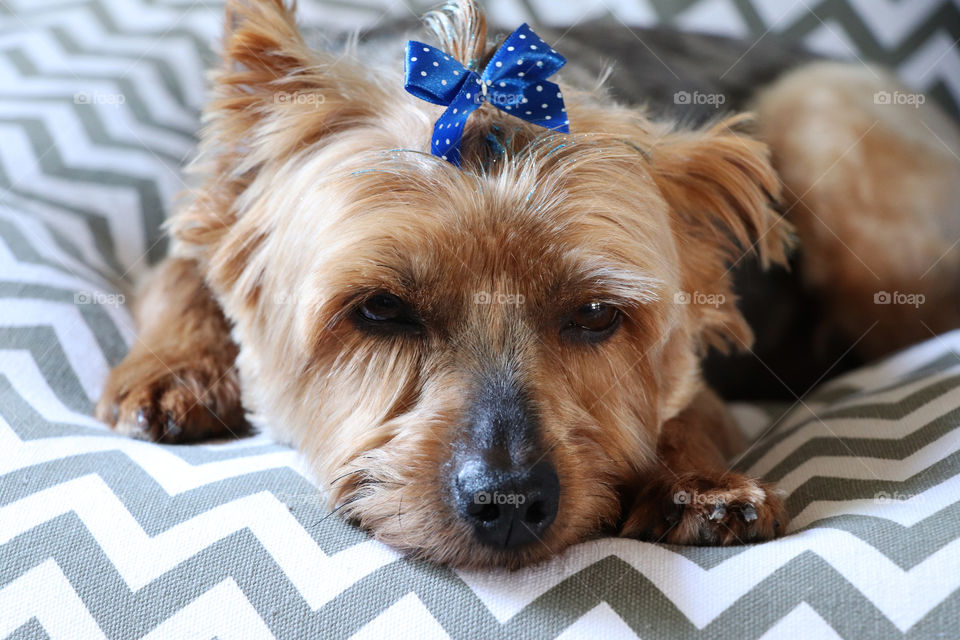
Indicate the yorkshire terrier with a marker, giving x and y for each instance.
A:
(485, 330)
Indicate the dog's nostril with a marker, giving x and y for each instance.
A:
(536, 513)
(485, 513)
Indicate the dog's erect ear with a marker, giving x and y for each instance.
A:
(272, 96)
(270, 80)
(722, 190)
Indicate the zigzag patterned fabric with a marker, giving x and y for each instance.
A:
(106, 537)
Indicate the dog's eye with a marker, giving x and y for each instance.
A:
(383, 307)
(386, 311)
(595, 319)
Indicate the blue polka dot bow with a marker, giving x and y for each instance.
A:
(514, 80)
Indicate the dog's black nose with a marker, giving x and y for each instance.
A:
(507, 507)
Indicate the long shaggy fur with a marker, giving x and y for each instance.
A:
(318, 191)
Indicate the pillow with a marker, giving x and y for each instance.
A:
(102, 536)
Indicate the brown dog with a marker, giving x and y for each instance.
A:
(485, 365)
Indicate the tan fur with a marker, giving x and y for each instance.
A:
(178, 382)
(873, 190)
(311, 205)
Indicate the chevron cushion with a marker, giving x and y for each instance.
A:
(104, 537)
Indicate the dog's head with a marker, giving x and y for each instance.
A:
(474, 361)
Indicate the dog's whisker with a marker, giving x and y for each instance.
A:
(346, 475)
(339, 507)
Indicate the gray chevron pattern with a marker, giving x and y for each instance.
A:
(105, 537)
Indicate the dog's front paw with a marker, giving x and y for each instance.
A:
(696, 509)
(147, 399)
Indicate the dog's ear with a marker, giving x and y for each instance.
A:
(271, 97)
(722, 191)
(271, 84)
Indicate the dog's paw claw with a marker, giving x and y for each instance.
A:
(172, 430)
(180, 406)
(731, 509)
(143, 418)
